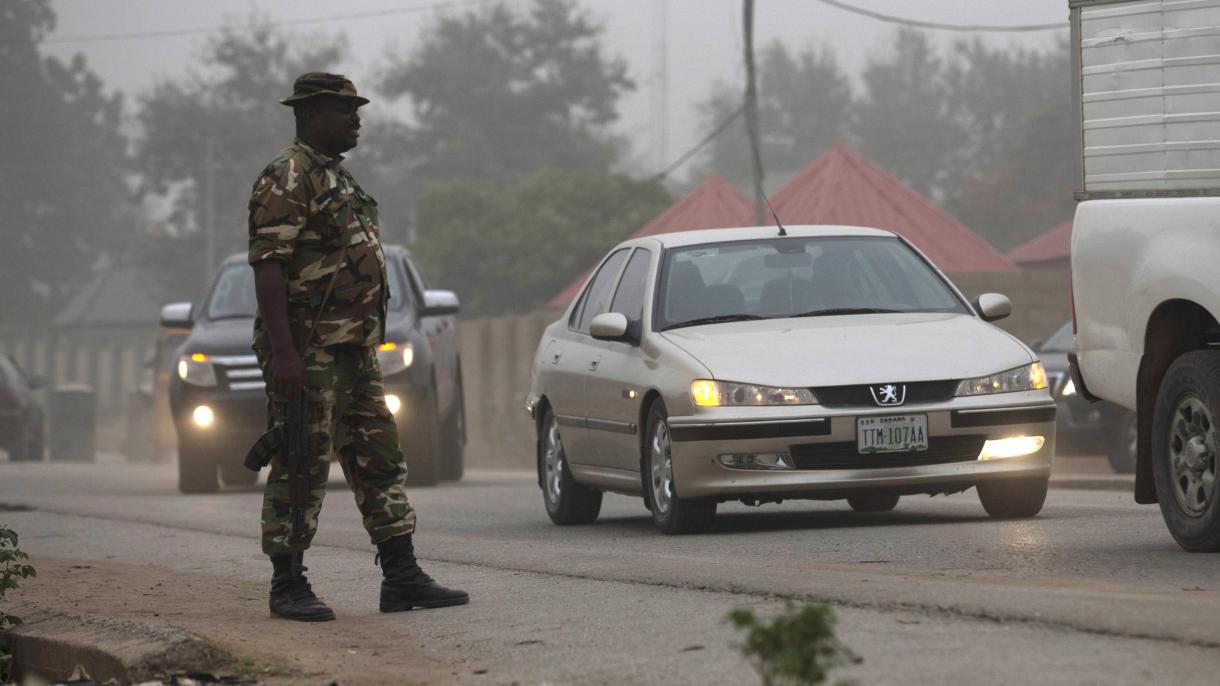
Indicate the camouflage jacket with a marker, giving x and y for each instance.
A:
(305, 208)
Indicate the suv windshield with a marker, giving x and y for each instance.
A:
(233, 295)
(797, 277)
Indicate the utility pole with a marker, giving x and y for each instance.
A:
(209, 210)
(752, 110)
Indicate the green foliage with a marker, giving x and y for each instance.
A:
(230, 105)
(62, 186)
(797, 647)
(500, 93)
(512, 249)
(12, 567)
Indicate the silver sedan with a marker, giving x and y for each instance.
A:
(758, 365)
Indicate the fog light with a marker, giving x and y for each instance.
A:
(393, 402)
(1011, 447)
(203, 416)
(756, 461)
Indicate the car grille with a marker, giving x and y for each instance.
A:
(859, 395)
(942, 450)
(240, 372)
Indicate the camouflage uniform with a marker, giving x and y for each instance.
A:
(304, 211)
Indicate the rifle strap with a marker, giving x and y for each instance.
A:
(330, 286)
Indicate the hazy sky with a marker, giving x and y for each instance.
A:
(703, 39)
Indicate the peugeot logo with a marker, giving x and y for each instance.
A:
(889, 394)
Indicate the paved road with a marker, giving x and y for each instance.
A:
(1091, 591)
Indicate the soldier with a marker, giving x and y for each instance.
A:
(322, 293)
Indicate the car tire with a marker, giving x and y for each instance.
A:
(873, 502)
(1013, 498)
(671, 513)
(453, 465)
(236, 474)
(196, 470)
(1121, 450)
(421, 444)
(567, 502)
(1184, 450)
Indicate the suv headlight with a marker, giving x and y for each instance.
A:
(196, 370)
(708, 393)
(395, 357)
(1028, 378)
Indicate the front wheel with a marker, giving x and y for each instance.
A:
(1184, 449)
(454, 439)
(421, 444)
(1013, 498)
(196, 470)
(567, 502)
(671, 513)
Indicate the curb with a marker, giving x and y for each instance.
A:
(49, 645)
(1116, 482)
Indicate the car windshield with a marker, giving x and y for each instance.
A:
(233, 295)
(797, 277)
(1060, 341)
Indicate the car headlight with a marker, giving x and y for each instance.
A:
(196, 370)
(1028, 378)
(395, 357)
(708, 393)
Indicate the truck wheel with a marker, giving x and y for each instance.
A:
(196, 470)
(1013, 498)
(873, 502)
(453, 464)
(1184, 447)
(236, 474)
(671, 513)
(421, 444)
(567, 502)
(1121, 451)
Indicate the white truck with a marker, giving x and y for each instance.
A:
(1146, 242)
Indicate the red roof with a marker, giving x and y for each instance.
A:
(1055, 244)
(713, 204)
(842, 187)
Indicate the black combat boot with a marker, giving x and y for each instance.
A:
(405, 585)
(291, 596)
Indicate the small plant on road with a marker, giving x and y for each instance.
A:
(796, 648)
(12, 567)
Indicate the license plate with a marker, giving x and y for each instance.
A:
(900, 434)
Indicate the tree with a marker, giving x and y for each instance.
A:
(511, 249)
(1017, 180)
(498, 94)
(62, 177)
(804, 107)
(225, 116)
(906, 118)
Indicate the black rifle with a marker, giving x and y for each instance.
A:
(290, 438)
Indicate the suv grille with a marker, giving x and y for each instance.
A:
(856, 396)
(240, 372)
(942, 450)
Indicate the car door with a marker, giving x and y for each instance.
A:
(613, 387)
(573, 355)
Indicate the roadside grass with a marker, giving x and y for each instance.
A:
(13, 566)
(797, 647)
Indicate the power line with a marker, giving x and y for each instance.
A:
(169, 33)
(943, 27)
(699, 146)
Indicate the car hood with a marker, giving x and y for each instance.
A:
(855, 349)
(221, 337)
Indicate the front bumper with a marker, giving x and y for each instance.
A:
(953, 428)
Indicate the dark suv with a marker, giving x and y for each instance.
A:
(217, 394)
(22, 419)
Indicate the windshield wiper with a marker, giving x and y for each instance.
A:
(720, 318)
(845, 310)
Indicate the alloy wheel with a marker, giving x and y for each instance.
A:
(553, 456)
(662, 467)
(1192, 456)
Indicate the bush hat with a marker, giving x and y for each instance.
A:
(315, 83)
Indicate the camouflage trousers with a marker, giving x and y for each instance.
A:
(347, 418)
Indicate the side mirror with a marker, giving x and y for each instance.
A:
(609, 326)
(177, 316)
(438, 303)
(993, 306)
